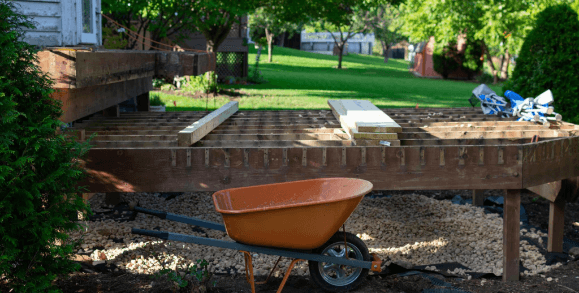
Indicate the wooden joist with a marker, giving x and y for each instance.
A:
(202, 127)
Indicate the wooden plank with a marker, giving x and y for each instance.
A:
(80, 69)
(448, 142)
(134, 144)
(478, 197)
(405, 124)
(340, 115)
(314, 131)
(78, 103)
(229, 124)
(100, 137)
(481, 134)
(511, 237)
(556, 225)
(152, 169)
(271, 143)
(257, 137)
(375, 136)
(360, 113)
(367, 142)
(199, 129)
(462, 127)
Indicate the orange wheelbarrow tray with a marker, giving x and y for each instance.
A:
(292, 219)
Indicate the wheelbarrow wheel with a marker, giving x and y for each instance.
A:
(339, 278)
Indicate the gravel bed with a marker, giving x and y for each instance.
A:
(408, 229)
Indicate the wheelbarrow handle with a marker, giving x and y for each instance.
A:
(373, 265)
(181, 219)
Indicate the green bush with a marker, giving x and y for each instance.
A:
(156, 100)
(549, 59)
(205, 83)
(446, 59)
(39, 169)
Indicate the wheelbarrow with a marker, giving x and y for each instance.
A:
(299, 220)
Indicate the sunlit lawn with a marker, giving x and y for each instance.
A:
(302, 80)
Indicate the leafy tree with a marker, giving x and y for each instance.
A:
(549, 59)
(39, 169)
(446, 59)
(162, 18)
(500, 25)
(266, 21)
(214, 18)
(342, 16)
(383, 20)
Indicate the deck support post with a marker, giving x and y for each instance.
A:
(511, 237)
(478, 197)
(556, 225)
(113, 111)
(143, 102)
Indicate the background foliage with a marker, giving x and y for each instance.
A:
(38, 168)
(549, 59)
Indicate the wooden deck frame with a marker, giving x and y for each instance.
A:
(459, 149)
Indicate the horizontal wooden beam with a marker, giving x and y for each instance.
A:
(134, 144)
(170, 64)
(280, 131)
(230, 121)
(536, 127)
(77, 69)
(125, 137)
(468, 141)
(388, 168)
(551, 160)
(196, 131)
(271, 143)
(508, 134)
(465, 123)
(257, 137)
(80, 102)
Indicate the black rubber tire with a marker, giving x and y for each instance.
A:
(339, 238)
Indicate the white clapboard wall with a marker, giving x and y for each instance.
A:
(62, 22)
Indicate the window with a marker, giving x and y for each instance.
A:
(88, 23)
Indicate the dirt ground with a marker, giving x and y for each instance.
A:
(562, 279)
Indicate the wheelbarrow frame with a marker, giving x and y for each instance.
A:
(374, 265)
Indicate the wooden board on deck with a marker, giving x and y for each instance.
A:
(362, 120)
(196, 131)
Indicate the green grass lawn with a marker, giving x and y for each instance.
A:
(302, 80)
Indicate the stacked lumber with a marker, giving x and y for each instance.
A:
(364, 123)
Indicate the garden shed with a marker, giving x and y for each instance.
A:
(63, 22)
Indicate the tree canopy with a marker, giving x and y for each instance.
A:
(500, 24)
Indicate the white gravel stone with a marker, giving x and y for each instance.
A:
(412, 229)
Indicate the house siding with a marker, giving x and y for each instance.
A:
(57, 22)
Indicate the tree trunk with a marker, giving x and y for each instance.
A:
(269, 37)
(341, 50)
(491, 65)
(282, 41)
(216, 35)
(384, 51)
(505, 65)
